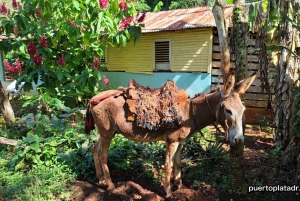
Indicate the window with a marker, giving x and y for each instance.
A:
(162, 55)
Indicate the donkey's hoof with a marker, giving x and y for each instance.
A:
(102, 183)
(111, 188)
(168, 194)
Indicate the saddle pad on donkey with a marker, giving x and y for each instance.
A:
(157, 108)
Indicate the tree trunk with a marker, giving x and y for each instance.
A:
(238, 39)
(285, 80)
(239, 55)
(237, 152)
(5, 106)
(218, 11)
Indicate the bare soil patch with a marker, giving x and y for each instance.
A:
(262, 169)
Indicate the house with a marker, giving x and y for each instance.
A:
(175, 44)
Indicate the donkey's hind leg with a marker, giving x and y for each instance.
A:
(103, 152)
(170, 151)
(177, 167)
(98, 166)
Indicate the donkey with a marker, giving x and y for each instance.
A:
(223, 107)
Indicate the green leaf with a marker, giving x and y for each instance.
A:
(158, 6)
(59, 75)
(76, 5)
(23, 49)
(26, 149)
(113, 7)
(290, 20)
(100, 15)
(35, 146)
(124, 40)
(118, 39)
(86, 39)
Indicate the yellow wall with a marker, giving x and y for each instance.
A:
(191, 50)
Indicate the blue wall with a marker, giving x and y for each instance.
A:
(192, 83)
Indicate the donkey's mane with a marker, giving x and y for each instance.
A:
(214, 89)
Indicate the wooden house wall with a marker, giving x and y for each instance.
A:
(255, 99)
(190, 52)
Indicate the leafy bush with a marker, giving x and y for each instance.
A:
(39, 183)
(51, 153)
(63, 42)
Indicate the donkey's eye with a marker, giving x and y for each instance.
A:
(228, 111)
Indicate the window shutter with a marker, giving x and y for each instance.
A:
(162, 55)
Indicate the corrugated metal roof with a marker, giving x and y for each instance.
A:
(172, 20)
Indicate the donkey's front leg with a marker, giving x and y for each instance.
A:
(171, 148)
(177, 166)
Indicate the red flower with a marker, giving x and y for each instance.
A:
(141, 19)
(18, 68)
(105, 80)
(61, 60)
(123, 5)
(16, 30)
(38, 60)
(3, 8)
(103, 3)
(43, 41)
(31, 49)
(38, 12)
(96, 63)
(14, 69)
(14, 4)
(6, 64)
(125, 23)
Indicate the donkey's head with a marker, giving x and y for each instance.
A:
(232, 109)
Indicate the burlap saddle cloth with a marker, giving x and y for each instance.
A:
(154, 108)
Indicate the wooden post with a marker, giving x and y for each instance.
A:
(237, 164)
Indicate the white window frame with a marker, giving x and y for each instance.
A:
(170, 50)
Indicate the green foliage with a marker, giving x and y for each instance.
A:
(125, 154)
(197, 160)
(186, 4)
(39, 183)
(141, 5)
(51, 153)
(158, 6)
(79, 30)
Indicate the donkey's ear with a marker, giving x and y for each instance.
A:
(244, 84)
(229, 83)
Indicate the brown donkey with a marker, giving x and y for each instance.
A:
(222, 106)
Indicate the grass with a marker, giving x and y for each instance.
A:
(39, 183)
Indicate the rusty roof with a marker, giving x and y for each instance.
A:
(179, 19)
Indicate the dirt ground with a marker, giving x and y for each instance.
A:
(132, 186)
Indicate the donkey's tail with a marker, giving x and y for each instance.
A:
(89, 120)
